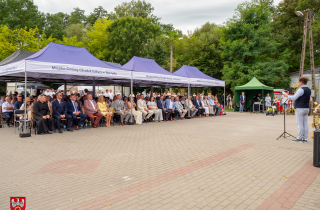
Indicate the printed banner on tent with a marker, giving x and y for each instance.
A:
(206, 82)
(54, 68)
(159, 78)
(12, 68)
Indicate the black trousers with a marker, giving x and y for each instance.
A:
(44, 125)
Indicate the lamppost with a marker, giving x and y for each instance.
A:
(171, 56)
(307, 23)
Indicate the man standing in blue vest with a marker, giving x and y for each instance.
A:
(302, 99)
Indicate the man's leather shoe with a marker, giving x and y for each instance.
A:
(181, 118)
(174, 118)
(69, 129)
(122, 124)
(60, 131)
(94, 126)
(49, 132)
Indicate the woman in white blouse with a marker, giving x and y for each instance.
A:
(152, 105)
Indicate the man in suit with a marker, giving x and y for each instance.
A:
(75, 111)
(169, 104)
(222, 100)
(197, 103)
(59, 111)
(188, 105)
(179, 108)
(119, 109)
(142, 107)
(91, 110)
(160, 105)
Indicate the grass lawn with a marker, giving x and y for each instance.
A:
(228, 110)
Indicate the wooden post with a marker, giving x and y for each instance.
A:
(171, 63)
(305, 25)
(311, 56)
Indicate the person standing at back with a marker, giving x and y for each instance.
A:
(144, 93)
(302, 99)
(222, 100)
(242, 101)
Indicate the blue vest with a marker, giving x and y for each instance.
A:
(303, 101)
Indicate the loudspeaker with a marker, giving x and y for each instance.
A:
(316, 149)
(24, 135)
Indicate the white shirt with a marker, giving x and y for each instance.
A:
(1, 102)
(171, 105)
(92, 104)
(6, 104)
(74, 106)
(284, 99)
(111, 95)
(106, 95)
(51, 94)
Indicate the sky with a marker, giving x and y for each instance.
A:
(185, 15)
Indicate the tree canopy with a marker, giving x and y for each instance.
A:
(261, 39)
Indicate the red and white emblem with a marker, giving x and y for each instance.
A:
(17, 203)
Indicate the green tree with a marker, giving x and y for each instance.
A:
(77, 16)
(97, 37)
(7, 42)
(128, 35)
(76, 30)
(156, 49)
(248, 49)
(3, 88)
(56, 24)
(20, 13)
(288, 31)
(96, 14)
(134, 9)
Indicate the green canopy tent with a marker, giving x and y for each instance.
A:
(251, 89)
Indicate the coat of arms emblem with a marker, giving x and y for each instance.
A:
(17, 203)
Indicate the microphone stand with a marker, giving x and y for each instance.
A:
(285, 132)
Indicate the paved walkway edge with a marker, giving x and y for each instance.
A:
(289, 193)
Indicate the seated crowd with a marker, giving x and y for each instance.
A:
(54, 109)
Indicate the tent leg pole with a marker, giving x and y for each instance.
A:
(25, 102)
(189, 117)
(94, 87)
(65, 88)
(121, 90)
(151, 89)
(131, 97)
(262, 101)
(224, 95)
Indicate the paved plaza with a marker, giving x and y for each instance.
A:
(225, 162)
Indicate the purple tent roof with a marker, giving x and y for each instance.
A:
(58, 53)
(144, 65)
(192, 72)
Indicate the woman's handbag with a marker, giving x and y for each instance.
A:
(242, 102)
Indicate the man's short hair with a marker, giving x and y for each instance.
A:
(40, 96)
(72, 95)
(8, 97)
(304, 80)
